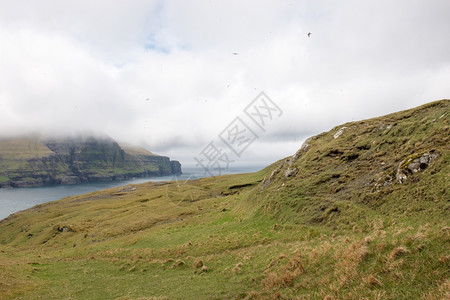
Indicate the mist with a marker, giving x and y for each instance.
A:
(172, 75)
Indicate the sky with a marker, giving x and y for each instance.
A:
(173, 76)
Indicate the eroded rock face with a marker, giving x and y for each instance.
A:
(290, 172)
(413, 164)
(266, 182)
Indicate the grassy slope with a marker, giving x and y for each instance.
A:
(339, 228)
(14, 151)
(134, 150)
(23, 148)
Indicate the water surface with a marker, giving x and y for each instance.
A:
(17, 199)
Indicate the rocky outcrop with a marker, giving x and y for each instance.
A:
(368, 159)
(76, 160)
(290, 172)
(413, 164)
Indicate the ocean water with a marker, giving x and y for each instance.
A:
(17, 199)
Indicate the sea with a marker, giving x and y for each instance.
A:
(16, 199)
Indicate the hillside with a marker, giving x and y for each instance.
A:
(359, 212)
(37, 161)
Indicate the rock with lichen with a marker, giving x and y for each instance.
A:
(413, 164)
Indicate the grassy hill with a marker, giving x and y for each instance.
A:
(359, 212)
(135, 150)
(36, 161)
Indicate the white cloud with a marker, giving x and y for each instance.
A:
(91, 65)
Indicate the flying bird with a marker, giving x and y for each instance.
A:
(309, 34)
(235, 53)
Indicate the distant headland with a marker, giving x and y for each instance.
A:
(34, 160)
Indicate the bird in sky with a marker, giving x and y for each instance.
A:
(309, 34)
(148, 99)
(235, 53)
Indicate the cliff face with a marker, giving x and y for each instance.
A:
(34, 161)
(175, 166)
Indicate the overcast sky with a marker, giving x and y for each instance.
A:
(172, 75)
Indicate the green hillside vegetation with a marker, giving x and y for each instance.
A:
(14, 151)
(134, 150)
(23, 148)
(359, 212)
(37, 161)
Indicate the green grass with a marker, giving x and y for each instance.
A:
(23, 148)
(338, 228)
(134, 150)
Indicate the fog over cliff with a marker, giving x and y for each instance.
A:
(172, 75)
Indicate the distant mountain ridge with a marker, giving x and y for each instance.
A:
(38, 161)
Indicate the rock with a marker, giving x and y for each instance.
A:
(128, 189)
(401, 177)
(302, 150)
(306, 143)
(413, 164)
(70, 180)
(269, 180)
(289, 172)
(340, 131)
